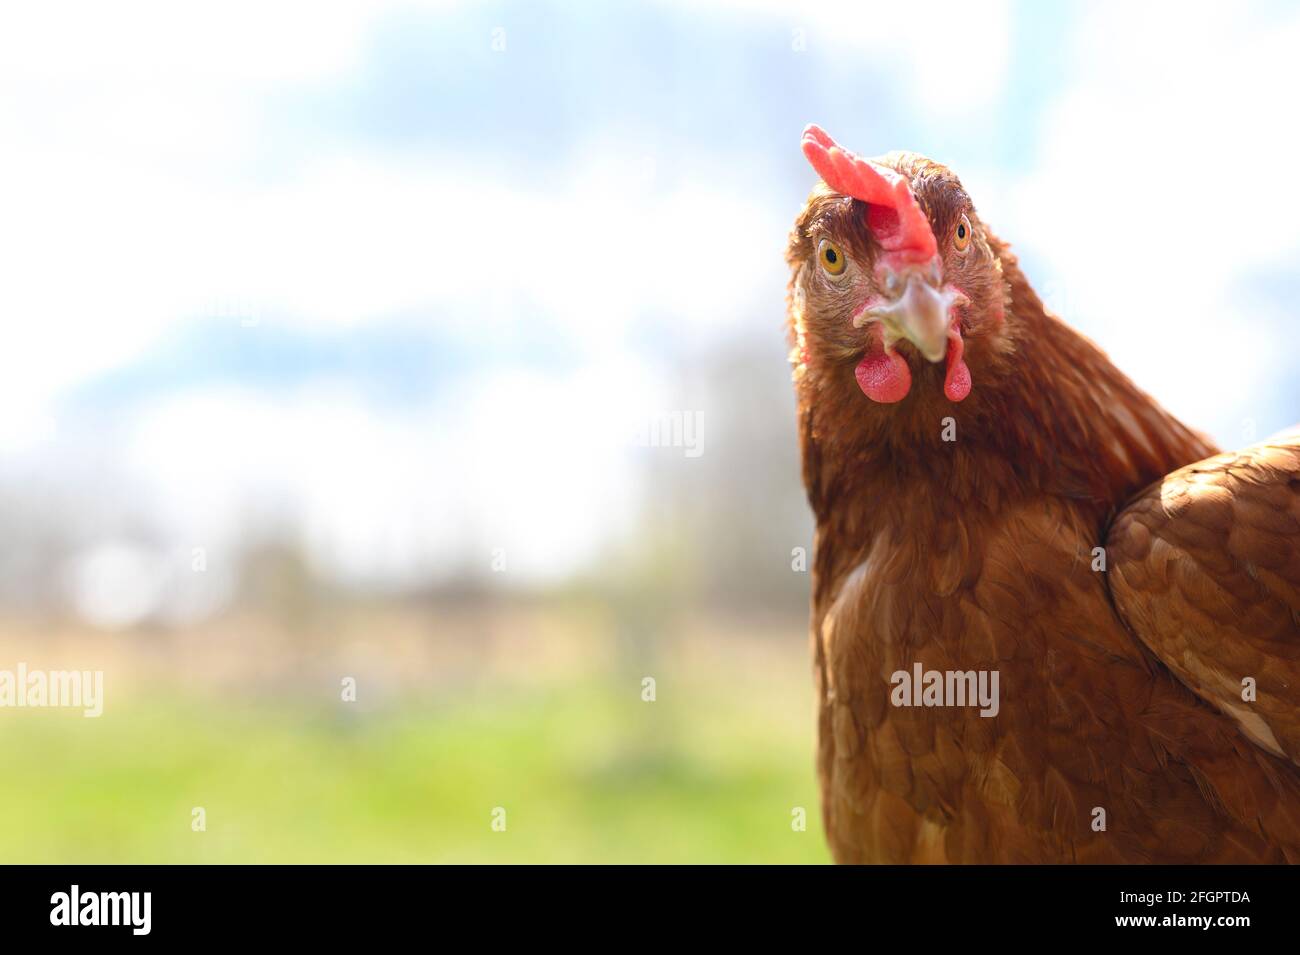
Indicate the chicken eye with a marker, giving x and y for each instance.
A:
(831, 257)
(961, 235)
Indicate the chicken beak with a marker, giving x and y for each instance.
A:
(916, 308)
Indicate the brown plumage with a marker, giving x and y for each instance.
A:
(1120, 689)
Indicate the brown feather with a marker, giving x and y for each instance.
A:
(977, 555)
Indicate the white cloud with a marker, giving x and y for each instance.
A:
(950, 58)
(539, 466)
(129, 209)
(1162, 189)
(119, 125)
(234, 39)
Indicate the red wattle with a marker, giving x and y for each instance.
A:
(956, 382)
(883, 374)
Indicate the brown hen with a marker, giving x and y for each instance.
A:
(1040, 632)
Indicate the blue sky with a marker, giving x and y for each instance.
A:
(367, 257)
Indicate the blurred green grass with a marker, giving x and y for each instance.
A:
(587, 772)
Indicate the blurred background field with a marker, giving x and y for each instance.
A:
(527, 708)
(440, 345)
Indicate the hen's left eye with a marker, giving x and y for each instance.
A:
(961, 236)
(831, 257)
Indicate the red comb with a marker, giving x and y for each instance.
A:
(893, 215)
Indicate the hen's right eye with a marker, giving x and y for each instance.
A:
(961, 235)
(831, 257)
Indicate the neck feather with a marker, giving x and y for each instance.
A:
(1056, 418)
